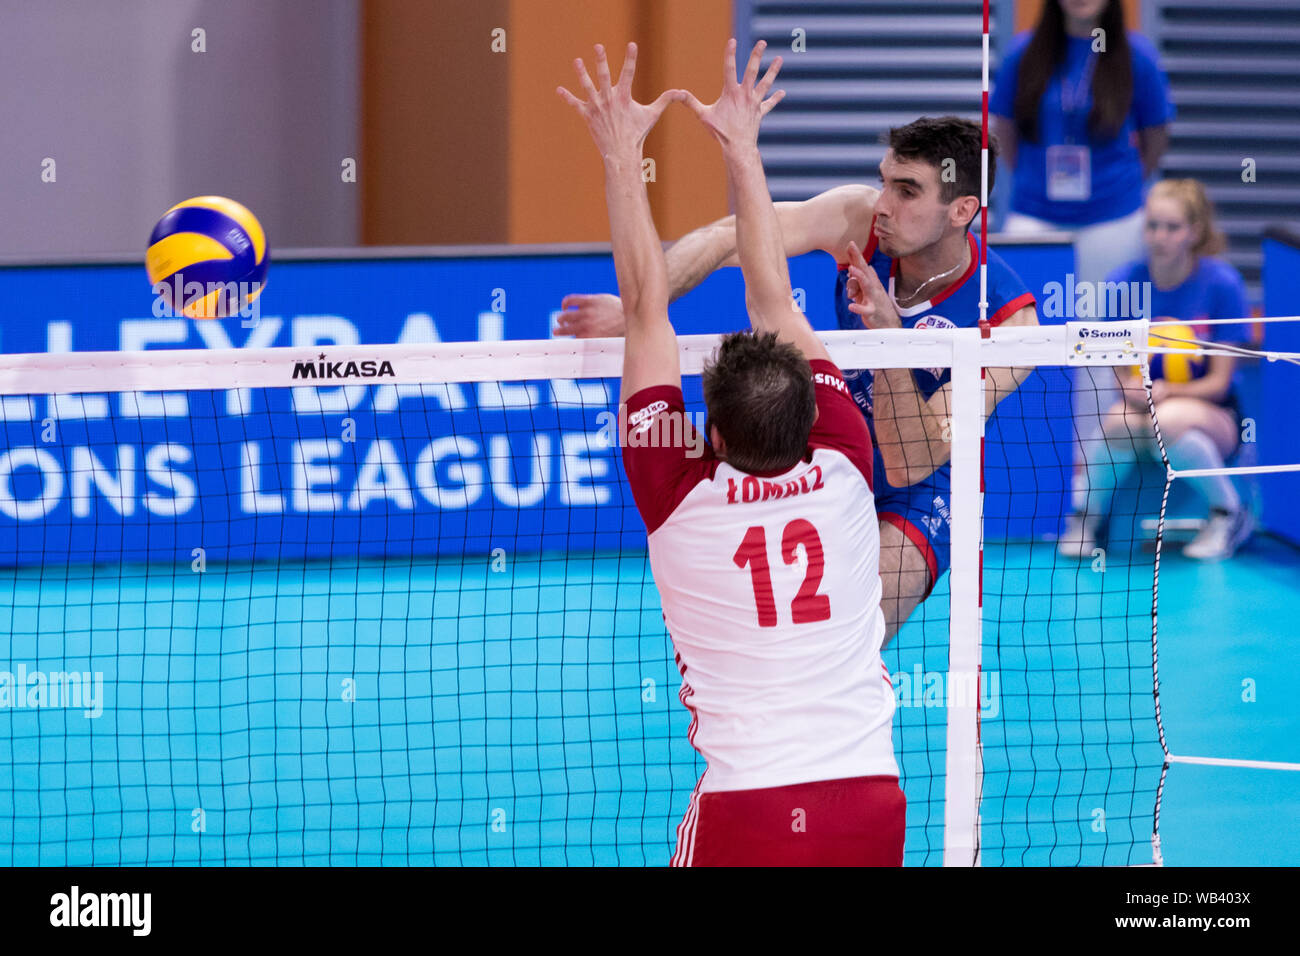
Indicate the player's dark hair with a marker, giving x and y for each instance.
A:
(1112, 81)
(935, 140)
(759, 394)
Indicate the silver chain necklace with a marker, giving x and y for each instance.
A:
(917, 291)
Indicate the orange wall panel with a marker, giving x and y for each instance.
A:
(691, 184)
(554, 186)
(434, 104)
(556, 181)
(461, 143)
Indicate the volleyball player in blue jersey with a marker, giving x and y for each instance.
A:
(913, 235)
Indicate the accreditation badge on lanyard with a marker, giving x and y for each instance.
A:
(1069, 166)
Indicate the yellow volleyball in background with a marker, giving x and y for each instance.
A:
(207, 258)
(1185, 365)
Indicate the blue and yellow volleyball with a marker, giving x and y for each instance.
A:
(1187, 364)
(207, 257)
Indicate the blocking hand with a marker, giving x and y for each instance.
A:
(616, 121)
(735, 116)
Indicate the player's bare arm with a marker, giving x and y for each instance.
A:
(734, 120)
(913, 433)
(618, 126)
(826, 222)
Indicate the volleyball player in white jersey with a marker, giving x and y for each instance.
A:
(765, 548)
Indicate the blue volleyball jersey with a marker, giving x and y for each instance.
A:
(922, 511)
(957, 306)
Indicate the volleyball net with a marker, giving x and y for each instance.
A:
(392, 605)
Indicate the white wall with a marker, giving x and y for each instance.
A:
(136, 121)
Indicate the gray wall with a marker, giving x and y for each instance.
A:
(136, 121)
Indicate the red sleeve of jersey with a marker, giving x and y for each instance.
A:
(1011, 308)
(839, 424)
(663, 454)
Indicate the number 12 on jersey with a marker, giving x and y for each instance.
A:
(808, 606)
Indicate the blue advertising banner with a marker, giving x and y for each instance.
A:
(355, 464)
(293, 472)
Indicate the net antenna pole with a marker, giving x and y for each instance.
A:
(963, 767)
(964, 770)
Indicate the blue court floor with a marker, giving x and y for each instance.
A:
(1229, 664)
(444, 712)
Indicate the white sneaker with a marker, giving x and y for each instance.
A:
(1079, 537)
(1221, 536)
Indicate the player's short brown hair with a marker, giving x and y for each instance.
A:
(759, 394)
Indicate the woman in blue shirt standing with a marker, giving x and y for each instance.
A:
(1193, 394)
(1081, 109)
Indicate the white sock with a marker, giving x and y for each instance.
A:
(1195, 449)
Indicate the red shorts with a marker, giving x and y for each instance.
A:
(858, 821)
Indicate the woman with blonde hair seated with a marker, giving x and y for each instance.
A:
(1196, 404)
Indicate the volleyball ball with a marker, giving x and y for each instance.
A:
(207, 258)
(1187, 364)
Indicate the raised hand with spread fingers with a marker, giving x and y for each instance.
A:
(618, 123)
(734, 117)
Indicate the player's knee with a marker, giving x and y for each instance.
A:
(1184, 414)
